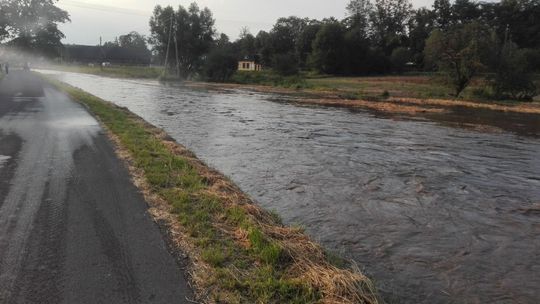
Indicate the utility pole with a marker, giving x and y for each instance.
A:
(169, 43)
(101, 52)
(177, 59)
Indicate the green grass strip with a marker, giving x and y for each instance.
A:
(238, 274)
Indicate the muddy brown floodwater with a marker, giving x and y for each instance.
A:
(433, 213)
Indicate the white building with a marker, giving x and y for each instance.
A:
(249, 65)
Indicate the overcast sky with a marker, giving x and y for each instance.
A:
(91, 19)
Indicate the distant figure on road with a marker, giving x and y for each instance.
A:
(26, 67)
(7, 68)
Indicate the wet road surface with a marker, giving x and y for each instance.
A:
(435, 214)
(73, 228)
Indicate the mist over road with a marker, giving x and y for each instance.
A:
(73, 228)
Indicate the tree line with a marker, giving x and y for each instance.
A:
(460, 39)
(32, 26)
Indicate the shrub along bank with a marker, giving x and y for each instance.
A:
(114, 71)
(239, 252)
(269, 78)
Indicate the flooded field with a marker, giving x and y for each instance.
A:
(433, 212)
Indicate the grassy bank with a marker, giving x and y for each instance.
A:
(427, 86)
(114, 71)
(239, 252)
(420, 86)
(369, 88)
(410, 94)
(379, 100)
(268, 78)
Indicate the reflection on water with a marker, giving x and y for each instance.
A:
(435, 214)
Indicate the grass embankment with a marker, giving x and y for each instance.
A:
(421, 86)
(409, 94)
(403, 94)
(268, 78)
(368, 88)
(114, 71)
(239, 252)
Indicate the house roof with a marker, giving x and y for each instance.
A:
(250, 59)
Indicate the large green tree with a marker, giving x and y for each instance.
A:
(512, 77)
(461, 52)
(420, 27)
(521, 18)
(182, 37)
(359, 13)
(285, 34)
(133, 40)
(329, 49)
(4, 22)
(381, 36)
(465, 11)
(442, 13)
(304, 43)
(389, 20)
(291, 36)
(32, 25)
(221, 62)
(357, 56)
(263, 45)
(246, 44)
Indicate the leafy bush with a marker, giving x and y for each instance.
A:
(285, 64)
(399, 58)
(269, 78)
(483, 92)
(220, 65)
(460, 53)
(533, 59)
(512, 78)
(329, 49)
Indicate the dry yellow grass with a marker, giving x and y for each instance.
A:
(407, 105)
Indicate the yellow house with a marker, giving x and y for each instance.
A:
(249, 65)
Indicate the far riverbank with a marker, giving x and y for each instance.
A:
(408, 94)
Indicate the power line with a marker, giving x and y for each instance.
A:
(134, 12)
(105, 8)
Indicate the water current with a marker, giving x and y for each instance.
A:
(433, 213)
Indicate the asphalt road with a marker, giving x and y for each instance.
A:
(73, 228)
